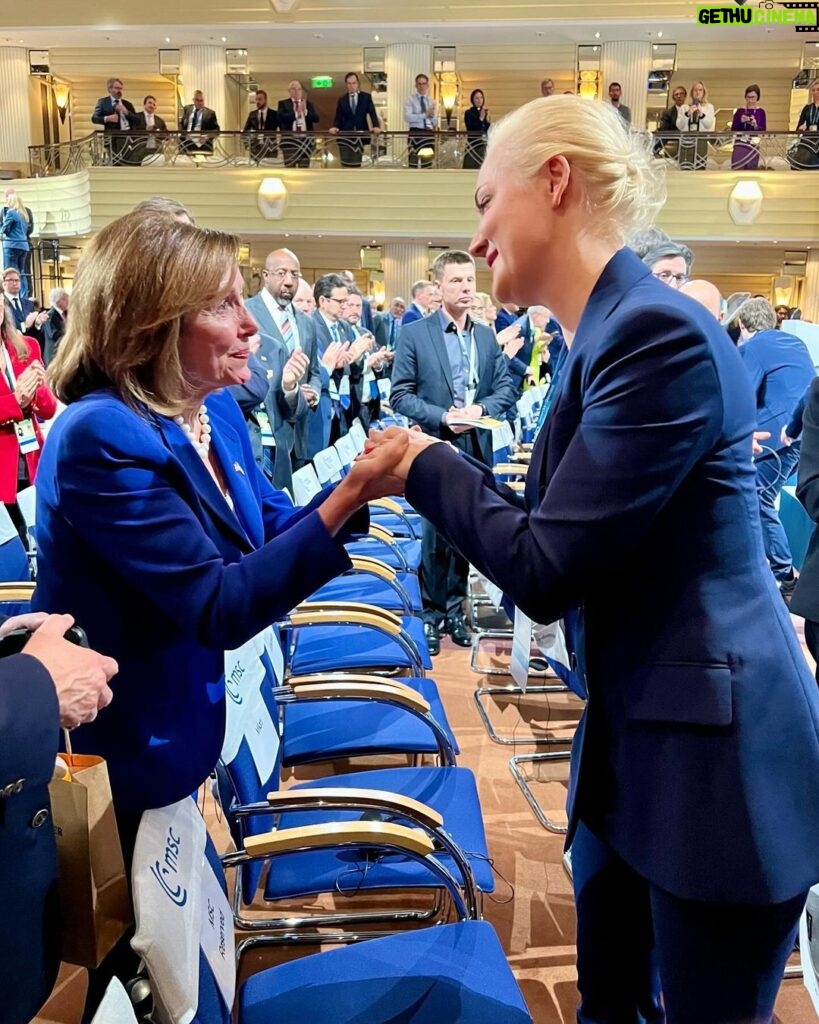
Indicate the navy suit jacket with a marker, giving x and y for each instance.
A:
(346, 121)
(138, 544)
(781, 371)
(20, 316)
(293, 427)
(29, 900)
(697, 758)
(104, 108)
(321, 417)
(412, 314)
(422, 387)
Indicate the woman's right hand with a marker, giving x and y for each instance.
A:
(26, 387)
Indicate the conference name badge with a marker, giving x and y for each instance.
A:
(26, 437)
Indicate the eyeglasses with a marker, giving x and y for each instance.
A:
(334, 298)
(675, 280)
(280, 275)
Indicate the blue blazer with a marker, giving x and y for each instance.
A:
(29, 900)
(15, 230)
(697, 759)
(412, 314)
(422, 386)
(321, 417)
(138, 544)
(781, 371)
(27, 306)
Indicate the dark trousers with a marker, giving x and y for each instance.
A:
(297, 149)
(812, 641)
(350, 151)
(772, 472)
(443, 575)
(716, 963)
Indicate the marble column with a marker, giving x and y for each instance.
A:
(15, 125)
(629, 64)
(404, 263)
(402, 62)
(810, 288)
(203, 67)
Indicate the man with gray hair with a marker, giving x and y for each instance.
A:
(780, 370)
(669, 261)
(54, 328)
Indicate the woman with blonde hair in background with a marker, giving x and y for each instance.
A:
(16, 246)
(693, 825)
(696, 116)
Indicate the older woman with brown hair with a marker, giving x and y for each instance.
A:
(25, 398)
(156, 529)
(694, 789)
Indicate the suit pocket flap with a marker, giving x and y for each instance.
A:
(691, 693)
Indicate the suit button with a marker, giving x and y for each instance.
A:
(40, 818)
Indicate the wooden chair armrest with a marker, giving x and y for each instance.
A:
(340, 676)
(330, 833)
(349, 606)
(516, 485)
(381, 531)
(340, 618)
(508, 467)
(380, 799)
(404, 697)
(372, 565)
(389, 504)
(17, 591)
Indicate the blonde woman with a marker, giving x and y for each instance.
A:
(695, 116)
(694, 791)
(16, 246)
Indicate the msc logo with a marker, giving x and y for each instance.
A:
(233, 681)
(164, 870)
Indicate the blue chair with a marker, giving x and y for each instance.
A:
(456, 973)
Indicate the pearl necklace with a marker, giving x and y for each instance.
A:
(202, 446)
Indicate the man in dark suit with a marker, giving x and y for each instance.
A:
(147, 127)
(52, 683)
(289, 353)
(195, 121)
(112, 112)
(422, 292)
(372, 364)
(23, 310)
(333, 339)
(355, 112)
(448, 368)
(54, 327)
(261, 126)
(387, 330)
(297, 117)
(781, 371)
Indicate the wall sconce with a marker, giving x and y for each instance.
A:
(61, 98)
(448, 99)
(784, 289)
(745, 202)
(588, 85)
(271, 198)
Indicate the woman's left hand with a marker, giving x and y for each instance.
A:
(416, 442)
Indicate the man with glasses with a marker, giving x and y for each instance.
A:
(669, 261)
(334, 338)
(288, 353)
(419, 114)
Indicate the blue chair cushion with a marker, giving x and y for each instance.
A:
(322, 731)
(455, 974)
(451, 791)
(372, 590)
(324, 648)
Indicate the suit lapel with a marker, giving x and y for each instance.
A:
(436, 337)
(246, 508)
(258, 307)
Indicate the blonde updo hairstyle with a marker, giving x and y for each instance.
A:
(622, 184)
(136, 282)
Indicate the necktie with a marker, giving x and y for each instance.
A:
(261, 120)
(17, 304)
(287, 329)
(353, 102)
(334, 331)
(423, 102)
(197, 120)
(392, 334)
(551, 394)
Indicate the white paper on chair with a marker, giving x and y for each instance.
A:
(115, 1007)
(262, 738)
(346, 448)
(809, 943)
(358, 434)
(216, 934)
(521, 648)
(8, 531)
(327, 465)
(503, 436)
(306, 485)
(551, 642)
(244, 675)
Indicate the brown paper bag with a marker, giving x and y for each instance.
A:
(94, 895)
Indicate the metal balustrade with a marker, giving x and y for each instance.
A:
(712, 151)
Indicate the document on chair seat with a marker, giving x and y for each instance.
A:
(484, 423)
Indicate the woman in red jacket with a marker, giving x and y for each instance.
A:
(24, 398)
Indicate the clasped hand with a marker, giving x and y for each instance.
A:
(389, 454)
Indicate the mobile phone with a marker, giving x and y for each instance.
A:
(16, 640)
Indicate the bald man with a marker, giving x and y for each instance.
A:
(297, 116)
(707, 294)
(305, 301)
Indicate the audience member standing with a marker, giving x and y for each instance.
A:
(147, 127)
(781, 370)
(304, 300)
(372, 364)
(260, 126)
(420, 116)
(547, 87)
(355, 112)
(422, 292)
(112, 112)
(16, 245)
(55, 323)
(476, 122)
(333, 338)
(198, 125)
(297, 120)
(615, 92)
(747, 120)
(696, 116)
(447, 368)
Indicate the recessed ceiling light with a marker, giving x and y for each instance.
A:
(377, 38)
(317, 35)
(286, 235)
(167, 39)
(596, 35)
(659, 35)
(224, 39)
(374, 242)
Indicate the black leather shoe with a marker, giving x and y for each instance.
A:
(459, 631)
(433, 635)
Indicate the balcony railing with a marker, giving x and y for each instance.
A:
(773, 151)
